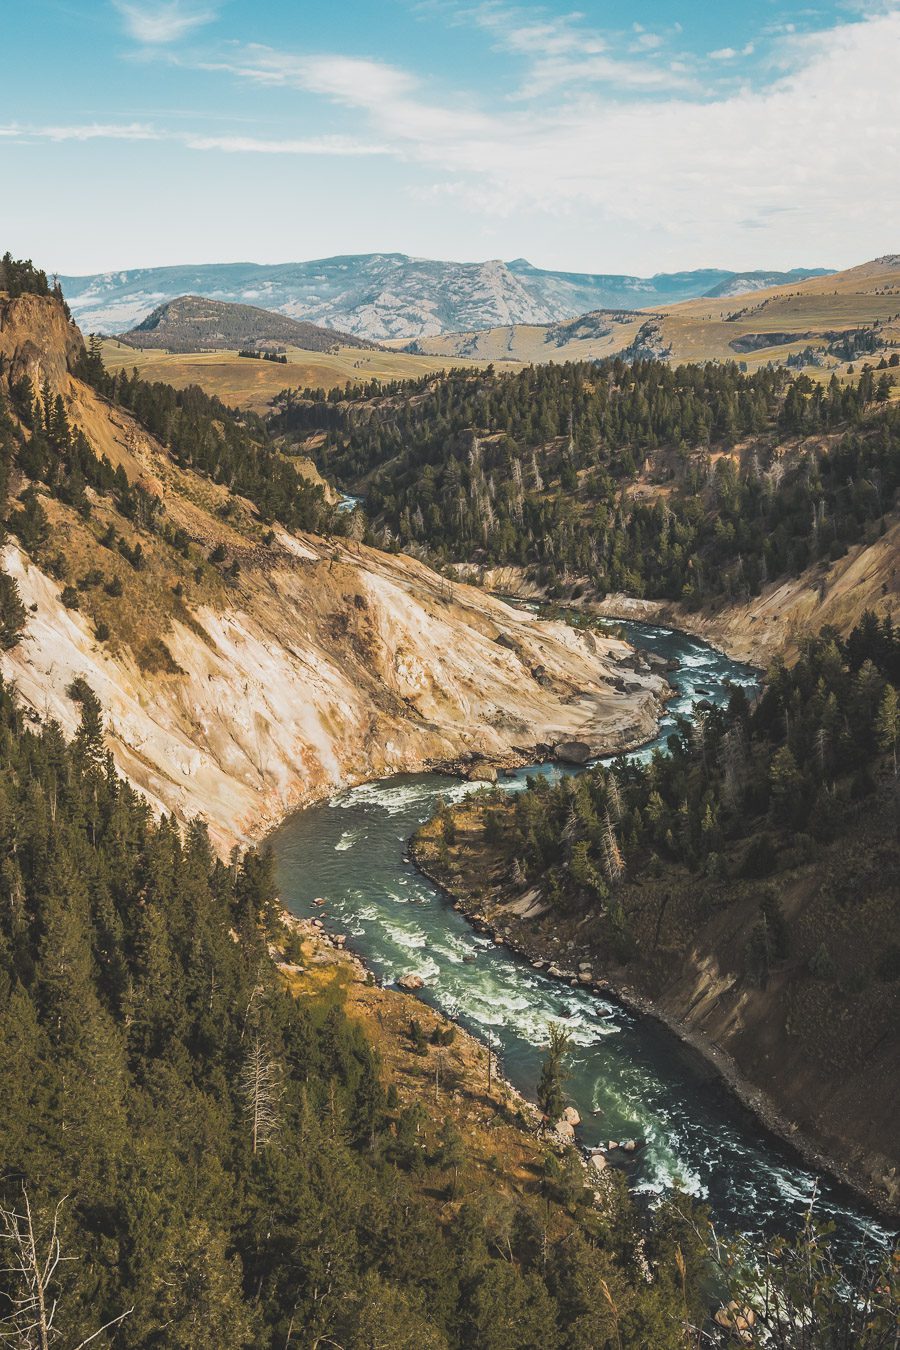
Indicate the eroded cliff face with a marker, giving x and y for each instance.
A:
(37, 341)
(325, 663)
(326, 670)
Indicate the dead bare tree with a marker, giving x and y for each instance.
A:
(260, 1087)
(33, 1251)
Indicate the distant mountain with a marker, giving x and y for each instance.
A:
(824, 320)
(744, 282)
(576, 293)
(390, 295)
(193, 323)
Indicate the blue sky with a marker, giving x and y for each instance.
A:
(615, 138)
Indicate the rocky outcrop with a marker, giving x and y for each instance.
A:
(37, 342)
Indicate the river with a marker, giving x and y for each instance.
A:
(631, 1078)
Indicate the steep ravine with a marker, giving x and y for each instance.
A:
(788, 1055)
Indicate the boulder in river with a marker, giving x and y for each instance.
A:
(571, 1116)
(410, 981)
(482, 773)
(738, 1320)
(572, 752)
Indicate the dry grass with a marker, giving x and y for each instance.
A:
(243, 383)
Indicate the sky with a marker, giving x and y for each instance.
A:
(653, 136)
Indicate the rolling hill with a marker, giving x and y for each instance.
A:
(193, 323)
(390, 295)
(820, 322)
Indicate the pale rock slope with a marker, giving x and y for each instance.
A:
(280, 704)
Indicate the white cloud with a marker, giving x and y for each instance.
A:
(799, 156)
(194, 140)
(162, 21)
(561, 50)
(729, 53)
(89, 131)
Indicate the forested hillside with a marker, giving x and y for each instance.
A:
(218, 1161)
(229, 447)
(747, 880)
(686, 484)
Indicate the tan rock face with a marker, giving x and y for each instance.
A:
(283, 702)
(37, 341)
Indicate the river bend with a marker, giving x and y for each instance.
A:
(631, 1078)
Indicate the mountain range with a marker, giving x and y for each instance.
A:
(380, 296)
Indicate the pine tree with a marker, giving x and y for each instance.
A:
(550, 1094)
(887, 725)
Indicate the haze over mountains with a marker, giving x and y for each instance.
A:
(390, 295)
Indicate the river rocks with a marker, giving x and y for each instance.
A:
(597, 1162)
(584, 966)
(738, 1320)
(629, 1146)
(482, 773)
(585, 977)
(555, 972)
(571, 1116)
(612, 1145)
(564, 1132)
(657, 662)
(572, 752)
(410, 982)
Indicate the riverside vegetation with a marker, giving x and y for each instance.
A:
(189, 1154)
(746, 881)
